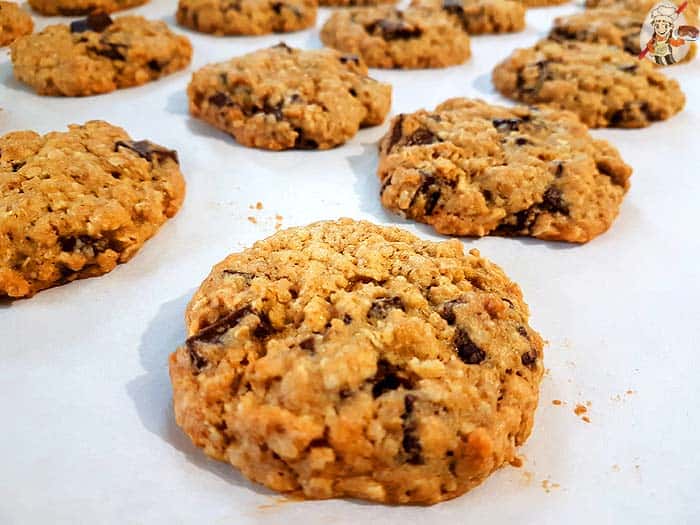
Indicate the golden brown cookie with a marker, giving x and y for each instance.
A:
(77, 203)
(14, 23)
(480, 17)
(470, 168)
(348, 359)
(603, 85)
(283, 98)
(98, 55)
(81, 7)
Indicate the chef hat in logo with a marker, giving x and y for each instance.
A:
(665, 12)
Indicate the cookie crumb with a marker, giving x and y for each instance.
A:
(586, 419)
(580, 409)
(556, 402)
(252, 220)
(516, 462)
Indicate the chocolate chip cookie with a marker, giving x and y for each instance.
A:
(602, 84)
(283, 98)
(606, 25)
(98, 55)
(77, 203)
(246, 17)
(81, 7)
(14, 22)
(470, 168)
(542, 3)
(386, 37)
(353, 3)
(349, 359)
(482, 16)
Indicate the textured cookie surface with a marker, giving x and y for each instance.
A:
(81, 7)
(97, 55)
(482, 16)
(14, 22)
(470, 168)
(353, 3)
(75, 204)
(386, 37)
(282, 98)
(606, 25)
(246, 17)
(542, 3)
(348, 359)
(602, 84)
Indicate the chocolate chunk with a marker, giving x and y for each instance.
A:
(277, 7)
(303, 142)
(67, 244)
(447, 310)
(529, 358)
(393, 29)
(16, 166)
(432, 192)
(631, 68)
(220, 100)
(521, 141)
(522, 331)
(352, 92)
(559, 170)
(431, 201)
(517, 223)
(421, 137)
(96, 22)
(529, 87)
(350, 58)
(246, 275)
(147, 150)
(154, 65)
(466, 349)
(198, 360)
(213, 333)
(506, 124)
(409, 402)
(284, 46)
(387, 378)
(308, 344)
(410, 442)
(453, 6)
(264, 328)
(553, 201)
(396, 132)
(109, 50)
(347, 319)
(380, 307)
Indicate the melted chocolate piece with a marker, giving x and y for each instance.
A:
(147, 150)
(393, 29)
(387, 379)
(467, 350)
(380, 307)
(97, 22)
(529, 358)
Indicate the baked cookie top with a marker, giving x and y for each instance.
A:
(75, 204)
(387, 37)
(281, 98)
(14, 22)
(246, 17)
(353, 3)
(349, 359)
(470, 168)
(97, 55)
(81, 7)
(481, 16)
(602, 84)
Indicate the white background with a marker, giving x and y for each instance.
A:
(87, 433)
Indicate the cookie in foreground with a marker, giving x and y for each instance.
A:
(14, 23)
(81, 7)
(603, 85)
(471, 168)
(77, 203)
(345, 359)
(479, 17)
(284, 98)
(387, 37)
(246, 17)
(98, 55)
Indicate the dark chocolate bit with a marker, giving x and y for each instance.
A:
(559, 170)
(264, 328)
(421, 137)
(396, 131)
(380, 307)
(147, 150)
(447, 310)
(344, 59)
(277, 7)
(521, 141)
(432, 192)
(411, 443)
(109, 50)
(284, 46)
(522, 331)
(67, 244)
(198, 361)
(154, 65)
(212, 334)
(96, 22)
(347, 319)
(529, 358)
(246, 275)
(220, 100)
(387, 378)
(529, 87)
(453, 6)
(16, 166)
(553, 201)
(466, 349)
(308, 344)
(303, 142)
(506, 124)
(630, 68)
(393, 29)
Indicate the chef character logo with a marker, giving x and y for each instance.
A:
(665, 36)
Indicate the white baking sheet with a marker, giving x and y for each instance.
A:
(87, 433)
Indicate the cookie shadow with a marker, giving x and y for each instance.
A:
(151, 391)
(483, 85)
(177, 103)
(8, 80)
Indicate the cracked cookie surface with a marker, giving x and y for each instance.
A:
(479, 17)
(283, 98)
(98, 55)
(246, 17)
(470, 168)
(603, 85)
(81, 7)
(14, 23)
(349, 359)
(387, 37)
(75, 204)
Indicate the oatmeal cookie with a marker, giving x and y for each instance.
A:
(81, 7)
(14, 23)
(480, 17)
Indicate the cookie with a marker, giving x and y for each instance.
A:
(602, 84)
(470, 168)
(542, 3)
(386, 37)
(81, 7)
(348, 359)
(613, 26)
(14, 22)
(246, 17)
(353, 3)
(77, 203)
(98, 55)
(283, 98)
(480, 17)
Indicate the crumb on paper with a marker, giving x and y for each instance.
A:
(528, 477)
(516, 462)
(589, 404)
(557, 402)
(630, 392)
(586, 419)
(548, 486)
(616, 468)
(278, 221)
(580, 409)
(257, 206)
(253, 220)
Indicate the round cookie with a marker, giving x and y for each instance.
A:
(542, 3)
(77, 203)
(602, 84)
(282, 98)
(246, 17)
(348, 359)
(81, 7)
(14, 23)
(386, 37)
(480, 17)
(98, 55)
(353, 3)
(470, 168)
